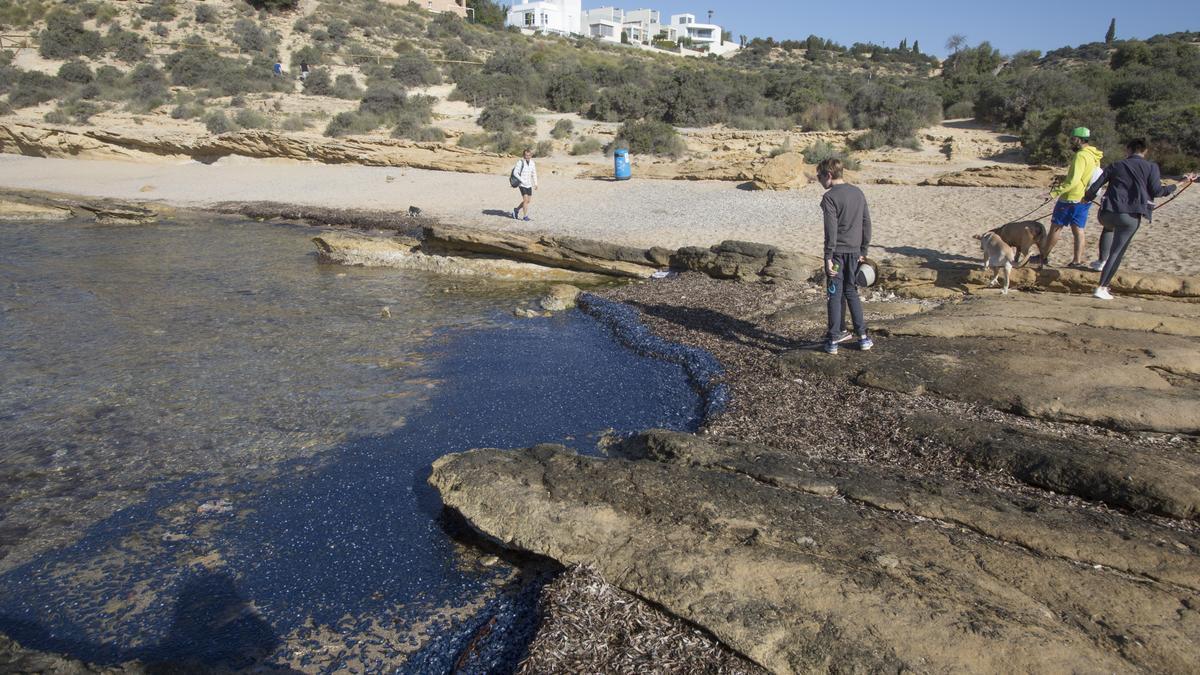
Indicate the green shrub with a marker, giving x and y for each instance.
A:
(217, 122)
(306, 54)
(33, 88)
(318, 83)
(783, 148)
(159, 10)
(187, 111)
(651, 137)
(562, 129)
(251, 119)
(126, 45)
(347, 123)
(77, 72)
(65, 37)
(147, 84)
(425, 134)
(206, 14)
(569, 92)
(75, 110)
(474, 141)
(294, 123)
(821, 151)
(106, 13)
(414, 69)
(543, 149)
(1045, 132)
(960, 110)
(587, 146)
(274, 5)
(160, 30)
(500, 118)
(345, 87)
(250, 37)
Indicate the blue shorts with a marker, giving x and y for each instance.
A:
(1071, 213)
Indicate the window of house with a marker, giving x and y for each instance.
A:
(530, 18)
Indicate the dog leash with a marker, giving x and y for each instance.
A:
(1039, 208)
(1155, 207)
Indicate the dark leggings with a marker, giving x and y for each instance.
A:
(842, 289)
(1119, 229)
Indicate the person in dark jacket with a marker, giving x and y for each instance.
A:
(847, 236)
(1133, 184)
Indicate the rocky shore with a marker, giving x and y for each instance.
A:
(1002, 483)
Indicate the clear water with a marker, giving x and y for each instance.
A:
(215, 448)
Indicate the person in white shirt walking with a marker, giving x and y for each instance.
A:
(524, 178)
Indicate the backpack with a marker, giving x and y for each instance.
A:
(513, 181)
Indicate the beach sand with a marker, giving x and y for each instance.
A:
(922, 223)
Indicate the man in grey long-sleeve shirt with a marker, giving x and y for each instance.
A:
(847, 236)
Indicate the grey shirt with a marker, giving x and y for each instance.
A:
(847, 220)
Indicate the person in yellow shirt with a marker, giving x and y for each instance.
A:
(1071, 208)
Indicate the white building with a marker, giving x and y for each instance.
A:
(550, 16)
(644, 25)
(604, 23)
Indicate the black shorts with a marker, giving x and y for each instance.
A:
(527, 192)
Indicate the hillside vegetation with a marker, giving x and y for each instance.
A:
(205, 60)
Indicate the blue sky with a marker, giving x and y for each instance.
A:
(1010, 25)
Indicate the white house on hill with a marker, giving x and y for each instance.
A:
(704, 36)
(550, 16)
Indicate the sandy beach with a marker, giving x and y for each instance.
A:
(912, 221)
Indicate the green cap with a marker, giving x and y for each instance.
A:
(1081, 132)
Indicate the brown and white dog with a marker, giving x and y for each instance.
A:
(1023, 236)
(997, 256)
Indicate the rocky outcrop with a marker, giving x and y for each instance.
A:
(1015, 176)
(323, 215)
(18, 209)
(786, 171)
(402, 253)
(28, 205)
(802, 564)
(746, 261)
(946, 280)
(559, 297)
(566, 253)
(38, 141)
(1126, 379)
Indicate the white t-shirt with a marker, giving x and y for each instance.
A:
(526, 172)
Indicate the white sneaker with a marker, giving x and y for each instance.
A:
(1102, 293)
(1097, 265)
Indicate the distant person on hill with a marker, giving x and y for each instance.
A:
(278, 69)
(524, 178)
(1071, 209)
(847, 235)
(303, 70)
(1132, 183)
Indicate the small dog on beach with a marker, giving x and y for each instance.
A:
(997, 255)
(1023, 236)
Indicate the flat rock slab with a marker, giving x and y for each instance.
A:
(828, 567)
(1052, 361)
(568, 253)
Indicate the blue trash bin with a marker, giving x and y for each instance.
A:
(621, 168)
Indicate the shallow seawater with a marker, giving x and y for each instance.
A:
(215, 448)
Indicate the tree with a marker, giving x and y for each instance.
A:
(1112, 32)
(272, 5)
(488, 13)
(904, 45)
(916, 46)
(956, 42)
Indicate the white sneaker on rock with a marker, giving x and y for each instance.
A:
(1102, 293)
(1097, 265)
